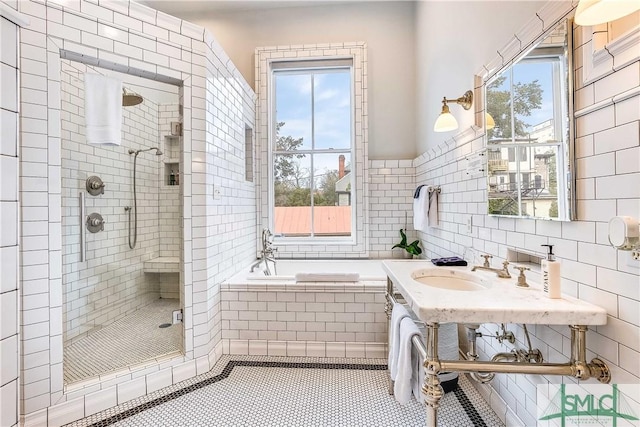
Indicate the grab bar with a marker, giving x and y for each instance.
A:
(83, 249)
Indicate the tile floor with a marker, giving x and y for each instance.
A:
(131, 340)
(288, 391)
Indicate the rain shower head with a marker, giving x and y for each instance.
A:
(130, 99)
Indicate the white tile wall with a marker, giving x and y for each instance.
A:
(263, 320)
(591, 269)
(218, 234)
(391, 186)
(9, 290)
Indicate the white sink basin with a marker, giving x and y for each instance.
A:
(453, 280)
(458, 295)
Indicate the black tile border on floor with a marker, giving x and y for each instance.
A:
(469, 409)
(466, 404)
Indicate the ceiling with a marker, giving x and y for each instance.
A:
(184, 8)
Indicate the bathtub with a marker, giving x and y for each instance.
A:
(278, 316)
(368, 269)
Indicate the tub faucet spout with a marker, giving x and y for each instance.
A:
(255, 264)
(267, 253)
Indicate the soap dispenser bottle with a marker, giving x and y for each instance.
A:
(550, 274)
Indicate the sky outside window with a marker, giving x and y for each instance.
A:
(331, 100)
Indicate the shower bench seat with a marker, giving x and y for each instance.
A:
(163, 264)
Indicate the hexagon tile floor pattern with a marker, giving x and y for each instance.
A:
(291, 391)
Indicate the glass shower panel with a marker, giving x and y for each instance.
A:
(117, 304)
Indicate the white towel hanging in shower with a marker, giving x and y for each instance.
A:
(102, 109)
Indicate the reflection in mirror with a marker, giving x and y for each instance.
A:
(529, 147)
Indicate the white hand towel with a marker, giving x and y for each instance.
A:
(397, 314)
(420, 209)
(102, 109)
(402, 387)
(432, 209)
(417, 377)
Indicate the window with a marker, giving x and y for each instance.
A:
(312, 140)
(312, 148)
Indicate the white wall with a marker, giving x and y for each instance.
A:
(453, 40)
(386, 27)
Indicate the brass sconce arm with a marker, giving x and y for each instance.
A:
(465, 100)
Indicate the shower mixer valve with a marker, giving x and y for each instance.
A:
(95, 186)
(95, 222)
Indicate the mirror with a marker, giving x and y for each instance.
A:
(529, 130)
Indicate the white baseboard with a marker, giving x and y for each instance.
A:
(369, 350)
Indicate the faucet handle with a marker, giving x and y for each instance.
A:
(522, 279)
(486, 260)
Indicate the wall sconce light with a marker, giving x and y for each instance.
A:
(489, 123)
(594, 12)
(446, 121)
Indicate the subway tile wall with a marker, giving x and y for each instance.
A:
(607, 147)
(218, 228)
(391, 187)
(330, 319)
(9, 285)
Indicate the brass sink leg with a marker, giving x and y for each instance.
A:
(583, 371)
(431, 388)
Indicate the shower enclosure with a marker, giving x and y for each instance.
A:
(122, 230)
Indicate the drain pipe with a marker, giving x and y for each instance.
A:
(472, 354)
(520, 356)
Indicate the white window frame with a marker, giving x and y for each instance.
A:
(314, 247)
(302, 69)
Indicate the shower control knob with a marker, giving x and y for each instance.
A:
(95, 222)
(95, 186)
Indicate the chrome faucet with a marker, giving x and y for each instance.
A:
(503, 272)
(267, 253)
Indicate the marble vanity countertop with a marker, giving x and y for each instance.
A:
(501, 302)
